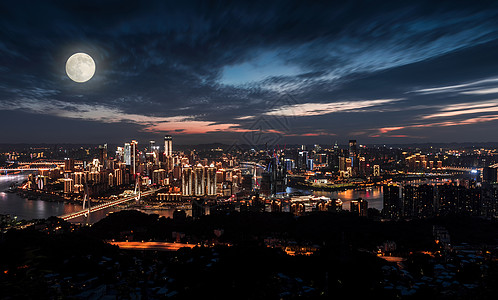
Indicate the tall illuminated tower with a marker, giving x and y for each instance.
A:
(211, 180)
(187, 183)
(133, 154)
(168, 145)
(127, 154)
(352, 148)
(199, 180)
(353, 154)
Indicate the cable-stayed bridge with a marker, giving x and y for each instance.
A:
(86, 211)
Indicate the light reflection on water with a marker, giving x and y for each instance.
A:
(373, 195)
(13, 204)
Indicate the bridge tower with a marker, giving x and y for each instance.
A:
(86, 198)
(254, 177)
(138, 183)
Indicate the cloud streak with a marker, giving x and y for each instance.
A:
(104, 114)
(317, 109)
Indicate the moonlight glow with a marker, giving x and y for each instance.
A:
(80, 67)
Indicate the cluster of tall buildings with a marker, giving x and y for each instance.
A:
(352, 163)
(181, 174)
(427, 200)
(274, 179)
(199, 180)
(95, 177)
(421, 163)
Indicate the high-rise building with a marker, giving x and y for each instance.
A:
(111, 181)
(127, 154)
(302, 161)
(159, 176)
(352, 148)
(446, 199)
(247, 182)
(353, 155)
(342, 163)
(392, 204)
(79, 177)
(376, 171)
(187, 182)
(168, 145)
(289, 164)
(490, 174)
(265, 185)
(211, 180)
(362, 166)
(489, 200)
(199, 180)
(309, 164)
(359, 207)
(134, 157)
(69, 165)
(118, 176)
(120, 154)
(278, 179)
(155, 153)
(418, 200)
(151, 145)
(103, 154)
(68, 186)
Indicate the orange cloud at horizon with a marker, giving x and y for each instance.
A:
(193, 127)
(469, 121)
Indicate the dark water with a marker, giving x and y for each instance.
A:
(13, 204)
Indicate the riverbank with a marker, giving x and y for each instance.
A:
(330, 188)
(46, 196)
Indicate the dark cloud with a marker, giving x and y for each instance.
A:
(224, 65)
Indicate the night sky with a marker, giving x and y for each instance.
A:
(288, 72)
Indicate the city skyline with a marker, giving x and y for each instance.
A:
(294, 73)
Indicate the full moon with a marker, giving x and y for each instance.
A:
(80, 67)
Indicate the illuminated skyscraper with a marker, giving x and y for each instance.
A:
(168, 145)
(111, 181)
(187, 181)
(302, 162)
(151, 145)
(490, 174)
(376, 171)
(418, 200)
(134, 157)
(199, 180)
(352, 148)
(120, 154)
(211, 180)
(155, 151)
(103, 154)
(392, 202)
(118, 176)
(69, 164)
(158, 176)
(68, 186)
(353, 155)
(127, 154)
(359, 207)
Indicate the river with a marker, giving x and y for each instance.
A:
(373, 195)
(15, 205)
